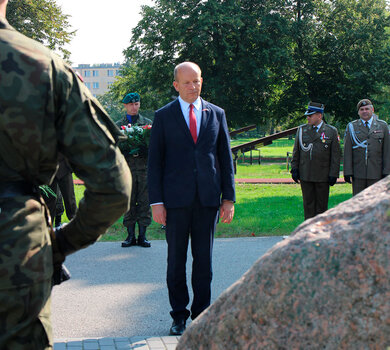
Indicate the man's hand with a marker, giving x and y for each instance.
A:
(348, 178)
(226, 211)
(159, 214)
(332, 180)
(295, 175)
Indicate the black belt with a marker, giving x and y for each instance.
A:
(10, 189)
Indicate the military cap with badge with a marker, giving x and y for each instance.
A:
(364, 102)
(131, 97)
(315, 107)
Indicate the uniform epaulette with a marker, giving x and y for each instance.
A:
(381, 121)
(330, 126)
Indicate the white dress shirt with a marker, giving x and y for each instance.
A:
(185, 108)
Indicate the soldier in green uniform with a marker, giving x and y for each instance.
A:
(139, 205)
(316, 160)
(45, 109)
(366, 149)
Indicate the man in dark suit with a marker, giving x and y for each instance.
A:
(190, 180)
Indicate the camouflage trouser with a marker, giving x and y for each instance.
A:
(25, 318)
(26, 268)
(139, 204)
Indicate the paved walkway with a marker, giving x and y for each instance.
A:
(117, 297)
(119, 343)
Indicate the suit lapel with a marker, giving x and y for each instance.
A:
(179, 118)
(205, 117)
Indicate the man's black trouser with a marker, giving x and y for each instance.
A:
(198, 222)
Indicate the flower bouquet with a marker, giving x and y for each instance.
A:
(137, 141)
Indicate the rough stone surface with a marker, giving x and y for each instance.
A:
(325, 287)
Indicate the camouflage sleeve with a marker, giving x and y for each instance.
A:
(87, 137)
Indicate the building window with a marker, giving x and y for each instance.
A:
(117, 72)
(95, 73)
(88, 85)
(95, 85)
(110, 73)
(87, 73)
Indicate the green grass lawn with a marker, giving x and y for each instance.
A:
(264, 170)
(277, 149)
(261, 210)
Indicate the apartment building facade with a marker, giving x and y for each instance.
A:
(98, 77)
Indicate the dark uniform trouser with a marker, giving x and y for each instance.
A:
(315, 198)
(139, 203)
(358, 185)
(25, 317)
(66, 186)
(200, 223)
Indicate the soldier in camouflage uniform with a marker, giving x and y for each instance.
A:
(139, 205)
(316, 160)
(45, 109)
(366, 149)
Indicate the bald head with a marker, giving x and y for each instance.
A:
(186, 65)
(3, 6)
(188, 81)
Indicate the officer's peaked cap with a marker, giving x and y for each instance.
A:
(315, 107)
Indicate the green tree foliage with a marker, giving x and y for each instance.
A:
(41, 20)
(112, 105)
(263, 59)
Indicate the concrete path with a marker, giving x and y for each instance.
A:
(117, 297)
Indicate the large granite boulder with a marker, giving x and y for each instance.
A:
(325, 287)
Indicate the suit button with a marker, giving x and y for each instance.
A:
(195, 171)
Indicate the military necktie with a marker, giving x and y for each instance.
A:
(193, 123)
(366, 124)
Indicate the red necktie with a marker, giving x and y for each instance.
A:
(193, 123)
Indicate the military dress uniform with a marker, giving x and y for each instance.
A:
(139, 211)
(366, 153)
(317, 156)
(45, 109)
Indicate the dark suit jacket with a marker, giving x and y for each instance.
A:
(178, 168)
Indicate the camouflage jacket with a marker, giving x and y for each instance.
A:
(139, 161)
(45, 109)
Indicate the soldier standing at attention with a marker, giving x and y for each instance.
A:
(45, 109)
(366, 149)
(139, 205)
(316, 160)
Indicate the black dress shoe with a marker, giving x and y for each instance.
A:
(178, 327)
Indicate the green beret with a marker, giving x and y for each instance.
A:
(131, 98)
(364, 102)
